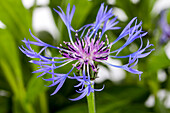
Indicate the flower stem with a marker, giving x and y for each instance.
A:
(91, 102)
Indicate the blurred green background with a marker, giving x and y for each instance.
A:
(22, 92)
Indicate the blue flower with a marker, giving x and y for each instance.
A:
(165, 28)
(85, 50)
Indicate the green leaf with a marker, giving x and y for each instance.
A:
(117, 97)
(35, 87)
(75, 109)
(157, 60)
(168, 16)
(15, 17)
(138, 10)
(4, 101)
(10, 60)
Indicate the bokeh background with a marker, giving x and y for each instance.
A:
(22, 92)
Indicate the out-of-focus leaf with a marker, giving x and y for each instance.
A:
(157, 60)
(10, 63)
(3, 81)
(9, 77)
(15, 17)
(46, 37)
(10, 51)
(142, 10)
(4, 108)
(159, 106)
(78, 108)
(135, 108)
(35, 87)
(43, 103)
(168, 16)
(115, 98)
(83, 8)
(17, 20)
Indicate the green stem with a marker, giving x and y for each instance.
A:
(90, 98)
(91, 102)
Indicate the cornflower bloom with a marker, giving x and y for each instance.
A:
(86, 50)
(165, 28)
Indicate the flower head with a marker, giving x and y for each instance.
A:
(87, 48)
(165, 28)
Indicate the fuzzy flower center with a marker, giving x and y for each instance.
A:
(86, 50)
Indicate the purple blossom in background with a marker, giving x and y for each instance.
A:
(88, 47)
(165, 28)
